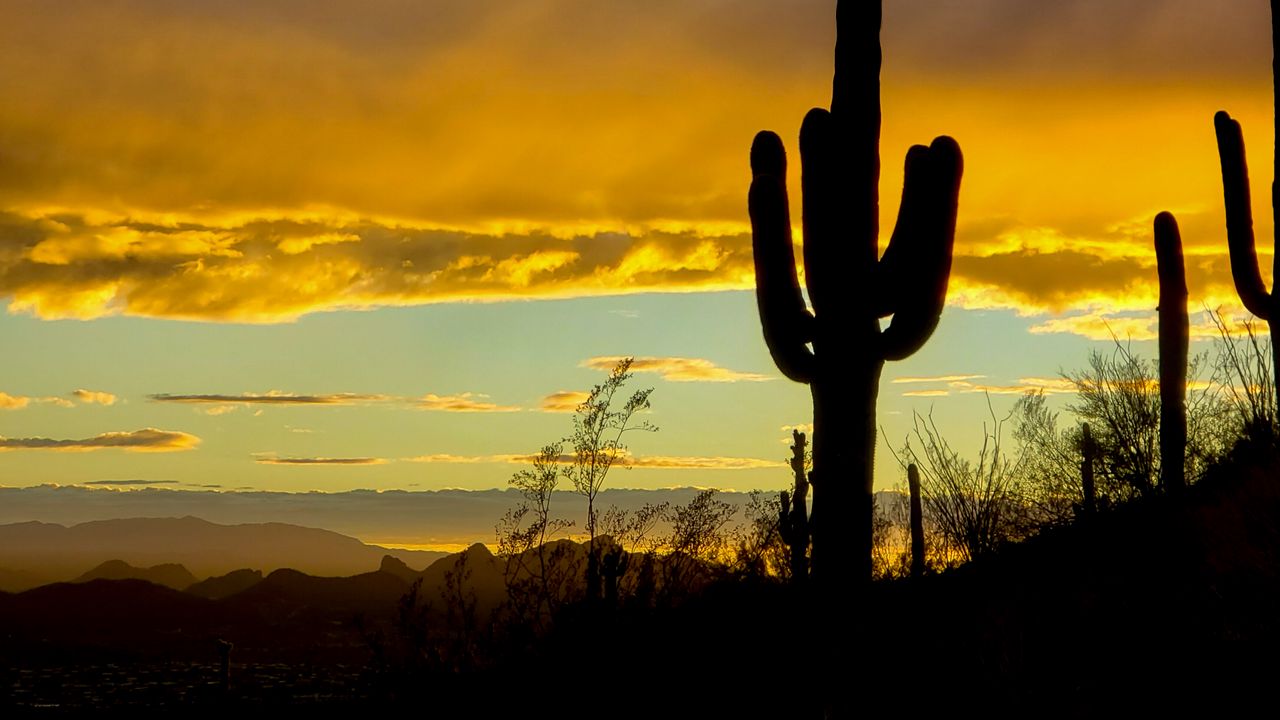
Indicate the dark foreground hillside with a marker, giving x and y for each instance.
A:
(1165, 605)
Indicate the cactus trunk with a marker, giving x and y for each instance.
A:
(917, 522)
(1240, 239)
(1173, 353)
(843, 445)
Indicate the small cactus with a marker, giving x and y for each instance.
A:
(613, 565)
(793, 521)
(917, 521)
(1173, 353)
(1089, 456)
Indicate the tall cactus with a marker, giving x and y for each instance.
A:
(1173, 352)
(1235, 189)
(839, 349)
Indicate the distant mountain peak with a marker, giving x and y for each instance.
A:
(170, 575)
(397, 567)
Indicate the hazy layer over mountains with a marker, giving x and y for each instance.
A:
(35, 553)
(450, 519)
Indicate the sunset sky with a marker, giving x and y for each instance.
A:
(325, 244)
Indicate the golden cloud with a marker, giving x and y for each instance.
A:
(248, 279)
(145, 440)
(11, 402)
(273, 397)
(1048, 386)
(563, 401)
(94, 397)
(18, 402)
(663, 462)
(441, 171)
(1102, 325)
(318, 461)
(926, 393)
(677, 369)
(459, 459)
(465, 402)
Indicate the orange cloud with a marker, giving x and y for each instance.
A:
(464, 402)
(677, 369)
(467, 191)
(11, 402)
(563, 401)
(145, 440)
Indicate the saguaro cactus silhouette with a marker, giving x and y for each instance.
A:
(839, 349)
(1235, 189)
(1173, 352)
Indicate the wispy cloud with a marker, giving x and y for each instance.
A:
(273, 397)
(145, 440)
(94, 397)
(563, 401)
(677, 369)
(447, 458)
(12, 402)
(130, 482)
(318, 461)
(806, 428)
(662, 462)
(1049, 386)
(18, 402)
(220, 404)
(669, 462)
(464, 402)
(934, 379)
(1102, 325)
(926, 393)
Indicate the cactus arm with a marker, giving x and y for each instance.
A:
(1240, 240)
(925, 288)
(897, 259)
(1173, 352)
(786, 323)
(828, 254)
